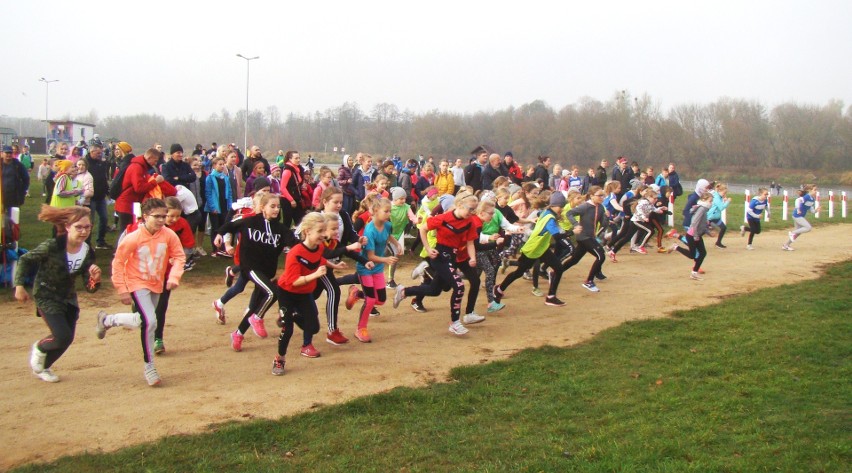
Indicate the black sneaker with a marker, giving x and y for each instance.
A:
(553, 301)
(418, 306)
(229, 278)
(103, 246)
(375, 312)
(392, 284)
(721, 246)
(600, 276)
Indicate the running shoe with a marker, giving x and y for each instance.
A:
(662, 250)
(634, 249)
(418, 270)
(237, 341)
(363, 335)
(641, 251)
(672, 233)
(201, 251)
(457, 328)
(528, 275)
(151, 375)
(37, 358)
(229, 278)
(749, 247)
(472, 318)
(47, 375)
(721, 246)
(787, 247)
(590, 285)
(159, 347)
(353, 297)
(391, 284)
(220, 312)
(278, 365)
(498, 293)
(399, 295)
(495, 306)
(336, 338)
(309, 351)
(673, 248)
(694, 275)
(537, 292)
(700, 270)
(101, 327)
(553, 301)
(418, 307)
(375, 312)
(257, 326)
(600, 276)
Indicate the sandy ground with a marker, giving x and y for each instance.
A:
(103, 402)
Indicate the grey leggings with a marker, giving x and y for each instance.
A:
(488, 261)
(802, 226)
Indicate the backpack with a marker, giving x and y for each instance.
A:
(116, 187)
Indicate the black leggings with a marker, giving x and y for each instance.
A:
(589, 245)
(264, 295)
(445, 277)
(696, 251)
(722, 229)
(160, 311)
(550, 259)
(292, 216)
(329, 284)
(753, 229)
(306, 308)
(61, 319)
(627, 231)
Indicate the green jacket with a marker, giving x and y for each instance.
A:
(53, 282)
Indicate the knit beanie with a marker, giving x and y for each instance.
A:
(397, 193)
(259, 183)
(175, 148)
(557, 199)
(125, 147)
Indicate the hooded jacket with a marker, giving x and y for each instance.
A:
(692, 200)
(344, 178)
(139, 180)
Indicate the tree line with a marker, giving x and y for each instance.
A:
(726, 133)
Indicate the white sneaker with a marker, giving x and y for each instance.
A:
(472, 318)
(47, 375)
(696, 276)
(399, 295)
(786, 247)
(101, 328)
(151, 375)
(37, 358)
(418, 271)
(749, 247)
(457, 328)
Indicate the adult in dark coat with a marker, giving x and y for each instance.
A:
(623, 174)
(16, 180)
(248, 164)
(99, 169)
(491, 171)
(541, 173)
(601, 173)
(177, 171)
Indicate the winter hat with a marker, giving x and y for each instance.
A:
(125, 147)
(259, 183)
(397, 193)
(175, 148)
(432, 193)
(447, 201)
(701, 186)
(63, 164)
(557, 199)
(7, 149)
(566, 173)
(509, 154)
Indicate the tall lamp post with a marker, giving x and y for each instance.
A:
(245, 127)
(46, 102)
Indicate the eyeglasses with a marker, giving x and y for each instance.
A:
(599, 195)
(82, 228)
(158, 216)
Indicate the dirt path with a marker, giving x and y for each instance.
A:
(103, 403)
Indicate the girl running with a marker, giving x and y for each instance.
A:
(57, 262)
(139, 276)
(401, 216)
(714, 215)
(262, 239)
(806, 201)
(296, 305)
(753, 214)
(378, 233)
(538, 247)
(455, 231)
(697, 228)
(586, 219)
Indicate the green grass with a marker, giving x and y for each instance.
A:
(756, 383)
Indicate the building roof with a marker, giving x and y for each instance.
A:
(69, 121)
(8, 131)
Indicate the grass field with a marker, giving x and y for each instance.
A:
(755, 383)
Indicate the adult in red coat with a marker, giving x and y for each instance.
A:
(140, 181)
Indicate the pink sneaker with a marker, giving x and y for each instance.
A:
(310, 352)
(257, 325)
(237, 341)
(363, 335)
(642, 251)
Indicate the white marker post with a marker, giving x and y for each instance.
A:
(816, 206)
(843, 204)
(784, 207)
(671, 210)
(830, 204)
(747, 200)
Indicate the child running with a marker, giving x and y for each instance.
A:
(57, 262)
(697, 228)
(262, 239)
(139, 276)
(753, 213)
(378, 233)
(806, 201)
(714, 215)
(455, 231)
(538, 247)
(296, 305)
(401, 215)
(591, 216)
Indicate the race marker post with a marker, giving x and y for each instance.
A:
(671, 210)
(784, 207)
(817, 206)
(843, 204)
(747, 200)
(830, 204)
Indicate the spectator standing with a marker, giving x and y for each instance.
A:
(458, 175)
(344, 180)
(177, 171)
(99, 169)
(16, 181)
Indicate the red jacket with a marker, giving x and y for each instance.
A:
(139, 180)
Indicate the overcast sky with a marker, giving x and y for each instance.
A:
(178, 58)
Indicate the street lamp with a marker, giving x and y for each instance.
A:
(245, 128)
(46, 102)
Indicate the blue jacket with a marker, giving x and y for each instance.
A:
(719, 204)
(211, 194)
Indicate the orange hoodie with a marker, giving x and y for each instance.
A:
(141, 260)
